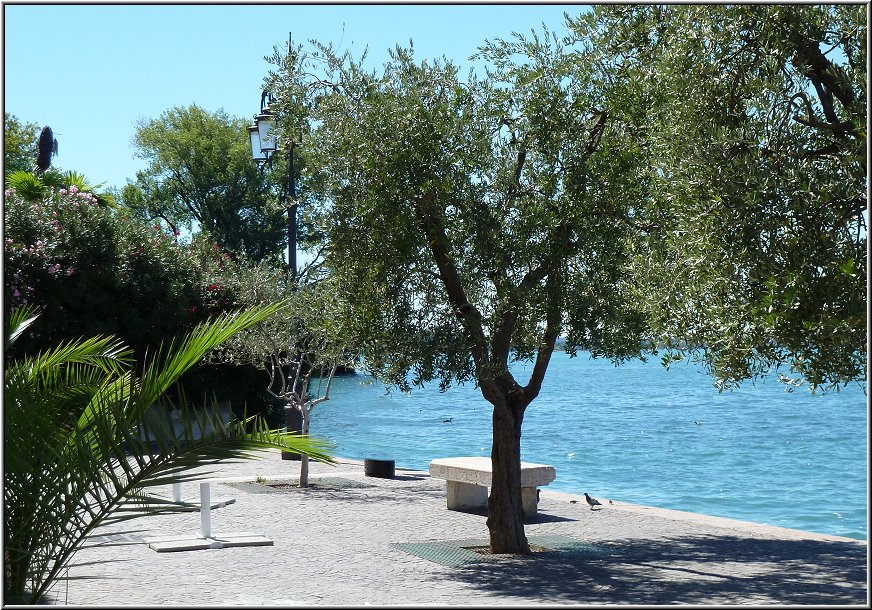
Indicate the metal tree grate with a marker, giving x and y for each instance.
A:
(461, 552)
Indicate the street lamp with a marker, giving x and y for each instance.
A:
(263, 147)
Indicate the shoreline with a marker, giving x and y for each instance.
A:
(632, 507)
(666, 510)
(358, 540)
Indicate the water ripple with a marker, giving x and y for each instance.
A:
(642, 434)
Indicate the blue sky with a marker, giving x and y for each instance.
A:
(91, 71)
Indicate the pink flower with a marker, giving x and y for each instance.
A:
(39, 243)
(63, 191)
(69, 271)
(8, 240)
(74, 189)
(15, 292)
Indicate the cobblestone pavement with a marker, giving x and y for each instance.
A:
(332, 546)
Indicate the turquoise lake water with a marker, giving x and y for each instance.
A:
(630, 433)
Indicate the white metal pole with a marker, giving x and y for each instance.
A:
(177, 492)
(205, 507)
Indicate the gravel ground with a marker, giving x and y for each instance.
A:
(347, 541)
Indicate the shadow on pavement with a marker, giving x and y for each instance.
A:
(691, 569)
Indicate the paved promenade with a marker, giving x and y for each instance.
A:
(342, 544)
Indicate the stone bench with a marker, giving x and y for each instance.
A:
(468, 478)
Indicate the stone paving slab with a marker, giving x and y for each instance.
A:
(338, 546)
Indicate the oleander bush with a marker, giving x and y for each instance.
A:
(95, 271)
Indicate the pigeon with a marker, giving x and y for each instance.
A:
(592, 501)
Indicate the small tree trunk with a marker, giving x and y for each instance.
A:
(304, 459)
(505, 510)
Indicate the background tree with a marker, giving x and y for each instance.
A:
(200, 173)
(755, 121)
(299, 351)
(19, 144)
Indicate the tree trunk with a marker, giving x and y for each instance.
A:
(304, 459)
(505, 511)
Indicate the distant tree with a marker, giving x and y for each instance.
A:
(200, 172)
(753, 118)
(300, 348)
(19, 144)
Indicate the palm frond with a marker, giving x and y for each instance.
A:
(19, 320)
(64, 477)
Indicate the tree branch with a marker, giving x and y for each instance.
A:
(432, 223)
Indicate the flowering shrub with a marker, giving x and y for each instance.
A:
(95, 271)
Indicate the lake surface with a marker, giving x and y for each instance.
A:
(641, 434)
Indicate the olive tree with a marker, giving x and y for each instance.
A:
(300, 349)
(464, 227)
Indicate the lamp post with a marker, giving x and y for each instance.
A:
(263, 148)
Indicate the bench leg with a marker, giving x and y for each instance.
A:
(528, 501)
(462, 496)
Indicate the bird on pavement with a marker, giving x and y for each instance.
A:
(591, 501)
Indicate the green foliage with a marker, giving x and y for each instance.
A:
(755, 122)
(309, 334)
(83, 444)
(200, 172)
(96, 272)
(485, 179)
(27, 185)
(19, 144)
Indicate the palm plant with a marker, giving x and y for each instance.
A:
(34, 187)
(82, 443)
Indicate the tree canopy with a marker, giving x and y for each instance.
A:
(200, 171)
